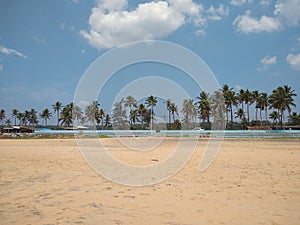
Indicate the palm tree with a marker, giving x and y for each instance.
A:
(230, 101)
(101, 114)
(130, 102)
(262, 104)
(188, 109)
(134, 116)
(173, 110)
(107, 121)
(14, 114)
(119, 117)
(241, 115)
(282, 99)
(26, 117)
(151, 101)
(20, 117)
(32, 117)
(290, 94)
(294, 119)
(168, 103)
(66, 117)
(255, 96)
(225, 91)
(77, 113)
(142, 112)
(204, 106)
(91, 112)
(248, 101)
(275, 116)
(57, 106)
(45, 115)
(8, 122)
(241, 98)
(2, 116)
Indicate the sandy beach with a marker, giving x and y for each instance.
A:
(255, 181)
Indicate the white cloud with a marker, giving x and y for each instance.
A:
(217, 13)
(9, 51)
(113, 5)
(39, 40)
(265, 2)
(148, 21)
(64, 26)
(186, 6)
(268, 60)
(288, 11)
(200, 33)
(294, 61)
(112, 23)
(240, 2)
(248, 24)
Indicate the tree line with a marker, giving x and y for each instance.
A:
(223, 107)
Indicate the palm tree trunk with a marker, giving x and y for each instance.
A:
(248, 112)
(226, 115)
(256, 114)
(231, 115)
(169, 119)
(57, 117)
(260, 117)
(281, 118)
(151, 117)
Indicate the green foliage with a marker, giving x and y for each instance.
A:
(224, 107)
(294, 119)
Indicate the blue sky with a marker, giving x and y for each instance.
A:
(45, 46)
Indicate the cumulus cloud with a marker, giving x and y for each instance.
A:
(217, 13)
(288, 11)
(9, 51)
(268, 60)
(113, 5)
(112, 23)
(294, 61)
(240, 2)
(247, 24)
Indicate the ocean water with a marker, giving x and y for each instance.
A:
(181, 133)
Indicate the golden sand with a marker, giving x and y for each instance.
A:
(250, 182)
